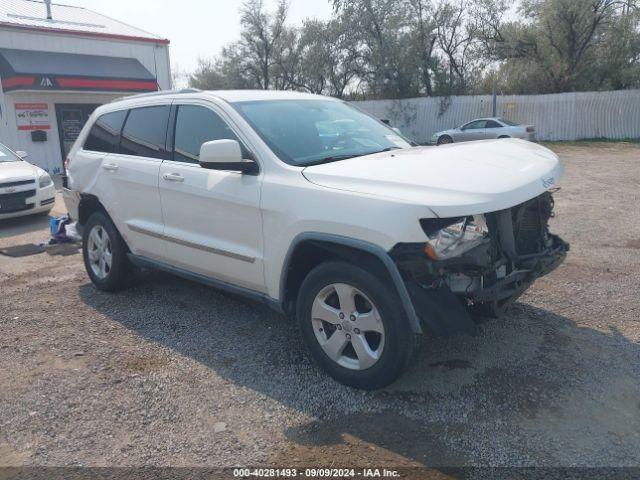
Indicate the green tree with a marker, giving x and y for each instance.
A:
(407, 48)
(263, 38)
(558, 42)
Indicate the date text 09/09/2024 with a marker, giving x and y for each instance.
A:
(315, 473)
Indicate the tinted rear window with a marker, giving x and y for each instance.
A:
(145, 132)
(105, 133)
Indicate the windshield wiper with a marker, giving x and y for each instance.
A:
(334, 158)
(388, 149)
(337, 158)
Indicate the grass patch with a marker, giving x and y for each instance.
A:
(590, 142)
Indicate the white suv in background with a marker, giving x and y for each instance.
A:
(317, 209)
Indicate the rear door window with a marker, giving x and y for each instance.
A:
(104, 136)
(492, 124)
(196, 125)
(145, 132)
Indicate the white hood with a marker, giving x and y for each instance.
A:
(16, 171)
(452, 180)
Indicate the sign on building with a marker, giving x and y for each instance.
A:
(32, 116)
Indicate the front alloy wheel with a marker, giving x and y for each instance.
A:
(348, 326)
(354, 325)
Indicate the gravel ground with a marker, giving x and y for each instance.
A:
(171, 373)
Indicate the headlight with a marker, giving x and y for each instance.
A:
(44, 180)
(457, 238)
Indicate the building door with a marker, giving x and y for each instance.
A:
(71, 118)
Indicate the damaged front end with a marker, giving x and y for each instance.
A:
(478, 264)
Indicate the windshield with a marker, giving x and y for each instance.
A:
(308, 132)
(508, 122)
(7, 155)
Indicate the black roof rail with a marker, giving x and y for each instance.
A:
(158, 94)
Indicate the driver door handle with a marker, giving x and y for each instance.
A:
(110, 167)
(173, 177)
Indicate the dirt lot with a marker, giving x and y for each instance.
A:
(173, 373)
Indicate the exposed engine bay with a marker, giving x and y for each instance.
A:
(485, 261)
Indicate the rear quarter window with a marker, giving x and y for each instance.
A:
(509, 123)
(104, 135)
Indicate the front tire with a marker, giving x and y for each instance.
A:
(105, 254)
(354, 325)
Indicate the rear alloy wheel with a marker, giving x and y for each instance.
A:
(444, 140)
(105, 254)
(99, 252)
(354, 325)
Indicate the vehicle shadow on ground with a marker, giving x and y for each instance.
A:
(533, 386)
(24, 225)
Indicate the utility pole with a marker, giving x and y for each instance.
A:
(48, 4)
(495, 96)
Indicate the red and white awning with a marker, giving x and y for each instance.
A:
(35, 70)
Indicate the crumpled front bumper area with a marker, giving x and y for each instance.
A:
(485, 280)
(526, 269)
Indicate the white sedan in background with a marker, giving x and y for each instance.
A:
(485, 129)
(24, 188)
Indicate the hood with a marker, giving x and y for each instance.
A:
(16, 171)
(452, 180)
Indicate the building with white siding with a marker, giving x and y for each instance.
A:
(58, 63)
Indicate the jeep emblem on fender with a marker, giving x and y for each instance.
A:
(548, 182)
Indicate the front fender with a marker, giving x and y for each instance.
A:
(363, 246)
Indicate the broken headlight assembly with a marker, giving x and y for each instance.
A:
(452, 237)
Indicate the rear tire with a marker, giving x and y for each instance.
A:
(354, 325)
(105, 254)
(444, 140)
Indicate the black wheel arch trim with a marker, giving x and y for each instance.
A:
(91, 199)
(356, 244)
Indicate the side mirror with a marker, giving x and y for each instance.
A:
(22, 155)
(225, 155)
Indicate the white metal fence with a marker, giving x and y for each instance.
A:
(562, 116)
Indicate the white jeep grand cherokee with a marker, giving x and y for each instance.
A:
(317, 209)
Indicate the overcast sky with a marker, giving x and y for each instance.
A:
(196, 28)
